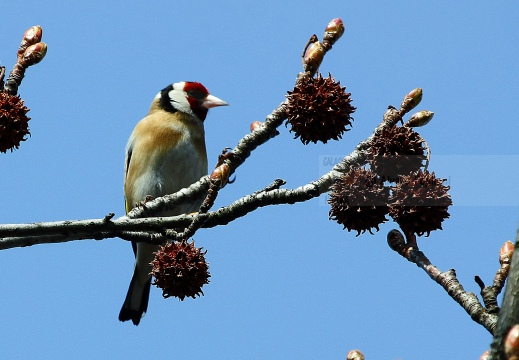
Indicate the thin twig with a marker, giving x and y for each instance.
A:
(448, 280)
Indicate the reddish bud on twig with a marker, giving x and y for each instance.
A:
(30, 37)
(411, 100)
(506, 252)
(256, 125)
(333, 32)
(30, 52)
(512, 343)
(34, 54)
(221, 174)
(420, 118)
(313, 56)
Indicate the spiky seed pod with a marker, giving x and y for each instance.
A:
(358, 201)
(13, 122)
(319, 109)
(419, 202)
(396, 151)
(180, 270)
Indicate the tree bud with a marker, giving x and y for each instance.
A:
(256, 125)
(314, 56)
(34, 54)
(506, 252)
(30, 37)
(420, 118)
(511, 344)
(411, 100)
(221, 174)
(395, 240)
(333, 32)
(355, 355)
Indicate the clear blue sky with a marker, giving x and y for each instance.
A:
(286, 283)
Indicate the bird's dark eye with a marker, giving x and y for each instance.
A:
(196, 94)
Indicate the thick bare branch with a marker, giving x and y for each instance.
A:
(509, 313)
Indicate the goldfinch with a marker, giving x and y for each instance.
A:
(165, 153)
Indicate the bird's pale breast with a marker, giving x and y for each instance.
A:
(166, 157)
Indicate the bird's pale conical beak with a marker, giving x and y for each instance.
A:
(211, 101)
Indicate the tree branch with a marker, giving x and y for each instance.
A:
(509, 313)
(139, 220)
(467, 300)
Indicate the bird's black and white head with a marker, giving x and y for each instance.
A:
(188, 97)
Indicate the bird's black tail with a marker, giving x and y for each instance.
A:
(131, 312)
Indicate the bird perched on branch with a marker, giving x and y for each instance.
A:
(165, 153)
